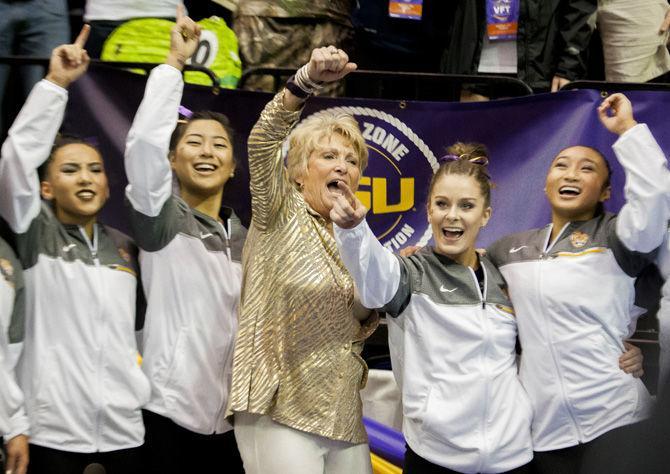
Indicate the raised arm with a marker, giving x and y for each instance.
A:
(643, 220)
(269, 180)
(31, 136)
(375, 270)
(147, 166)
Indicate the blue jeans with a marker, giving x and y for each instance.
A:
(31, 28)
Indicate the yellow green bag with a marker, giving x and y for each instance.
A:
(147, 40)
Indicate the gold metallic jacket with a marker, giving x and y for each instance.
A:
(297, 353)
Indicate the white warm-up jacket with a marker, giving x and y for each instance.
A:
(79, 369)
(191, 273)
(453, 354)
(574, 300)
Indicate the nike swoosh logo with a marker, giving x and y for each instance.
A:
(68, 247)
(516, 249)
(446, 290)
(204, 236)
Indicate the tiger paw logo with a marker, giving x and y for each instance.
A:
(578, 239)
(398, 161)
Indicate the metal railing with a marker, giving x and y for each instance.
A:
(414, 85)
(146, 67)
(607, 87)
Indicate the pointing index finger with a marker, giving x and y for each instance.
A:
(83, 36)
(180, 12)
(348, 193)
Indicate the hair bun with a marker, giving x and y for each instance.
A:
(472, 151)
(476, 160)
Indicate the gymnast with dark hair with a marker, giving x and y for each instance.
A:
(79, 369)
(190, 252)
(572, 286)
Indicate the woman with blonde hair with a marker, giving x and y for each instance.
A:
(297, 368)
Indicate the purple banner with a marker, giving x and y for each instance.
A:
(523, 135)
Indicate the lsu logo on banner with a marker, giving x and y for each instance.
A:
(394, 186)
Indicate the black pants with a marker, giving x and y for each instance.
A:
(169, 448)
(415, 464)
(52, 461)
(582, 458)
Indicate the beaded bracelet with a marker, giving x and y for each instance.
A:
(301, 85)
(295, 89)
(305, 82)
